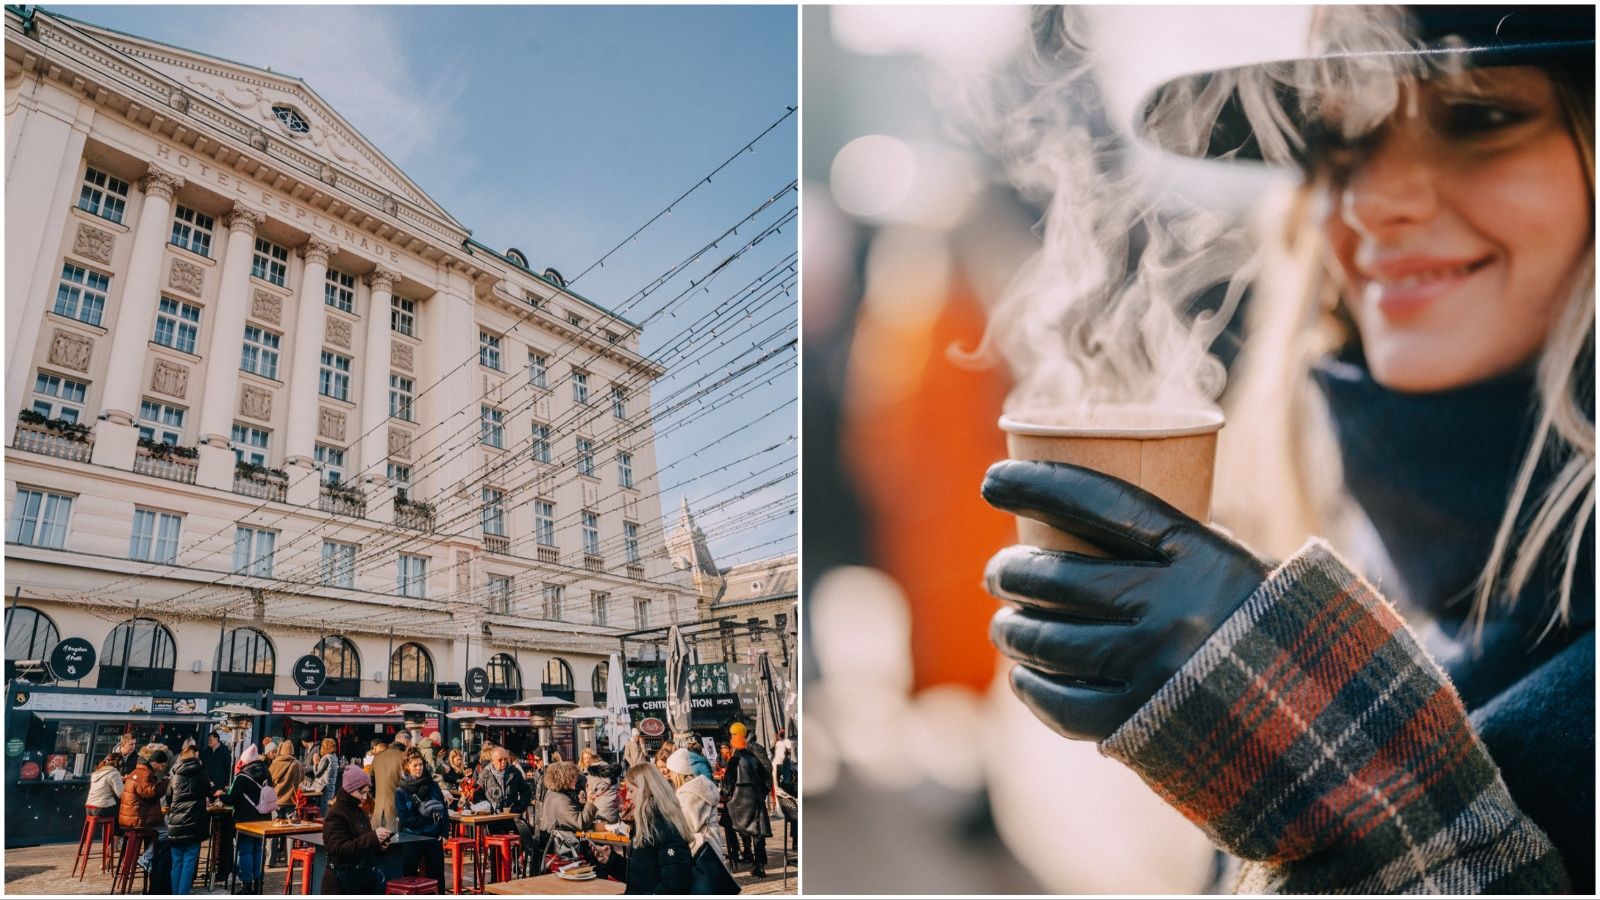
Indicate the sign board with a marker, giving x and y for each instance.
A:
(310, 673)
(652, 727)
(705, 678)
(477, 683)
(72, 660)
(137, 704)
(494, 712)
(14, 747)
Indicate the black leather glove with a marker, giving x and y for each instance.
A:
(1095, 638)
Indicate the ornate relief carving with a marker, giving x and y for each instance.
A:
(258, 139)
(337, 332)
(255, 402)
(318, 250)
(71, 350)
(267, 306)
(399, 443)
(179, 101)
(160, 183)
(186, 277)
(244, 219)
(330, 424)
(463, 572)
(402, 356)
(328, 174)
(383, 279)
(94, 243)
(169, 378)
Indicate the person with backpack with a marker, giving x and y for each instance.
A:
(253, 799)
(325, 775)
(420, 809)
(188, 823)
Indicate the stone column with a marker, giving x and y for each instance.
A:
(373, 452)
(450, 333)
(300, 432)
(115, 436)
(217, 405)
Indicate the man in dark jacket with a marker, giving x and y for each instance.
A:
(218, 762)
(188, 824)
(243, 797)
(747, 804)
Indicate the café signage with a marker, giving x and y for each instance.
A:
(72, 659)
(477, 683)
(310, 672)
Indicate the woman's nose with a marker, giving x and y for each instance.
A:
(1393, 188)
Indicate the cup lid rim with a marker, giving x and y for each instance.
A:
(1198, 420)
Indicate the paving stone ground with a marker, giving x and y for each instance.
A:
(48, 870)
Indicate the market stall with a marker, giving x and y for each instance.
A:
(352, 722)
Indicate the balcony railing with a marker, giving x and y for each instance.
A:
(172, 468)
(495, 543)
(264, 487)
(594, 563)
(636, 571)
(412, 515)
(343, 502)
(41, 439)
(548, 554)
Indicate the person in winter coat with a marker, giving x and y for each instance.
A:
(352, 843)
(386, 775)
(128, 749)
(420, 806)
(105, 787)
(600, 803)
(188, 823)
(141, 797)
(287, 774)
(698, 798)
(243, 795)
(634, 751)
(325, 770)
(559, 813)
(218, 760)
(661, 861)
(747, 804)
(725, 775)
(501, 785)
(697, 758)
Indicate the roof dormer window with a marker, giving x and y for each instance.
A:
(291, 119)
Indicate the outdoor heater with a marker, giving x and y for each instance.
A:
(586, 717)
(467, 721)
(542, 716)
(415, 716)
(236, 721)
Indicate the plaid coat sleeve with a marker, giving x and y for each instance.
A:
(1313, 737)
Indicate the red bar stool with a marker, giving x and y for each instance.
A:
(455, 851)
(502, 850)
(105, 828)
(133, 841)
(305, 856)
(412, 884)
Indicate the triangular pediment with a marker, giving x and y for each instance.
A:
(253, 94)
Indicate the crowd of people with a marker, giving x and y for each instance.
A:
(690, 814)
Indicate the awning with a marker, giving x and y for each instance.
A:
(503, 723)
(53, 716)
(338, 719)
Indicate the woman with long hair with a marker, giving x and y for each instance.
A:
(661, 862)
(105, 787)
(325, 770)
(1421, 392)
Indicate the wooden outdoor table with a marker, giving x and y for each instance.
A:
(555, 884)
(606, 837)
(265, 830)
(479, 822)
(391, 862)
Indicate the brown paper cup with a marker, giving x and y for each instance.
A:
(1169, 452)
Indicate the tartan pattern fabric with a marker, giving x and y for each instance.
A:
(1313, 736)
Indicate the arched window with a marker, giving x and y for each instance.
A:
(505, 679)
(598, 682)
(344, 666)
(411, 672)
(30, 635)
(558, 679)
(245, 662)
(139, 653)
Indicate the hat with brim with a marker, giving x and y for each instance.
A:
(1439, 37)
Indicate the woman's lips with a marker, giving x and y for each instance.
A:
(1405, 290)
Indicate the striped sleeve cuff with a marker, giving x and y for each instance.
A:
(1312, 736)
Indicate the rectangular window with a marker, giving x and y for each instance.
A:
(489, 351)
(334, 379)
(550, 599)
(591, 533)
(403, 316)
(598, 600)
(630, 541)
(612, 337)
(494, 513)
(260, 356)
(192, 230)
(492, 430)
(624, 468)
(541, 442)
(538, 369)
(586, 457)
(39, 519)
(55, 397)
(340, 290)
(270, 262)
(252, 551)
(575, 319)
(641, 612)
(544, 523)
(103, 195)
(160, 422)
(81, 294)
(401, 393)
(251, 445)
(177, 325)
(338, 564)
(499, 594)
(619, 401)
(155, 536)
(412, 577)
(400, 477)
(331, 461)
(580, 387)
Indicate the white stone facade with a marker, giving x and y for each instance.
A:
(280, 332)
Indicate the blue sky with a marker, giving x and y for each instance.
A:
(559, 131)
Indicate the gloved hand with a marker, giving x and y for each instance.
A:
(431, 808)
(1095, 638)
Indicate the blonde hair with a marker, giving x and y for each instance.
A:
(654, 801)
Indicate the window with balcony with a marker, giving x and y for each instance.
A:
(103, 195)
(192, 230)
(338, 564)
(160, 422)
(39, 519)
(251, 445)
(402, 392)
(334, 378)
(630, 541)
(340, 291)
(400, 477)
(489, 351)
(541, 442)
(624, 469)
(81, 294)
(260, 355)
(155, 536)
(538, 369)
(491, 427)
(591, 533)
(494, 513)
(270, 263)
(177, 325)
(544, 522)
(550, 598)
(586, 457)
(330, 461)
(403, 316)
(412, 576)
(253, 549)
(55, 397)
(580, 387)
